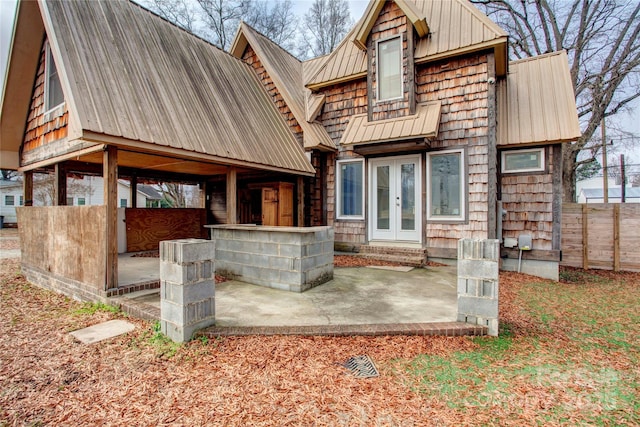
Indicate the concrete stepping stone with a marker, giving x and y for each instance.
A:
(103, 331)
(402, 269)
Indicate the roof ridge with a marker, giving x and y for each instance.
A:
(269, 40)
(534, 58)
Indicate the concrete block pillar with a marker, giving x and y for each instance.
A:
(478, 266)
(187, 287)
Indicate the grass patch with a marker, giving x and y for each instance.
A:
(164, 346)
(572, 361)
(90, 308)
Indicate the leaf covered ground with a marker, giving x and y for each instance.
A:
(568, 355)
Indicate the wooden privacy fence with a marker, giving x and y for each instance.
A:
(601, 235)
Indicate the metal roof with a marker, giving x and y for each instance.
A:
(423, 124)
(536, 103)
(286, 72)
(135, 76)
(455, 26)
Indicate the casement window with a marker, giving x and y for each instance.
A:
(446, 179)
(53, 95)
(517, 161)
(9, 200)
(350, 189)
(389, 72)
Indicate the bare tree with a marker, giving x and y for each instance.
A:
(603, 44)
(7, 174)
(325, 25)
(173, 194)
(221, 19)
(274, 19)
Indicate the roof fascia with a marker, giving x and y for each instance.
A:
(24, 54)
(239, 42)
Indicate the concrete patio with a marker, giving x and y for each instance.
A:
(362, 300)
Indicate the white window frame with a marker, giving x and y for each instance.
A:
(47, 66)
(338, 190)
(378, 62)
(8, 197)
(540, 168)
(463, 183)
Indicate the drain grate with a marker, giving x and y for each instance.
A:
(362, 367)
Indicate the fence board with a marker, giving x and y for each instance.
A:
(601, 235)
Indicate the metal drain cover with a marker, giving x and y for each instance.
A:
(362, 367)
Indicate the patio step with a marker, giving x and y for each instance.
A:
(408, 256)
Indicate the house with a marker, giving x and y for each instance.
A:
(415, 132)
(10, 197)
(596, 195)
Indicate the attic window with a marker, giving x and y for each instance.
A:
(389, 73)
(53, 95)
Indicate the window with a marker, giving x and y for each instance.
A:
(123, 203)
(9, 200)
(81, 201)
(446, 187)
(21, 201)
(531, 160)
(350, 194)
(69, 201)
(389, 73)
(52, 87)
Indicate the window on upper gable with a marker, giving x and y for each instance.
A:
(53, 95)
(389, 72)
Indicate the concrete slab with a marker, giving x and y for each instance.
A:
(356, 296)
(103, 331)
(133, 270)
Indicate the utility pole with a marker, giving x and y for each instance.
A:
(605, 178)
(624, 180)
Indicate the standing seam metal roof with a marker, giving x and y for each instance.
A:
(136, 76)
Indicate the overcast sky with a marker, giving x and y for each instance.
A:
(629, 121)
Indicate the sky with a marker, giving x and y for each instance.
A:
(628, 121)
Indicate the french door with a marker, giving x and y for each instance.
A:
(395, 205)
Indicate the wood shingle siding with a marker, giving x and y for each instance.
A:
(42, 129)
(133, 76)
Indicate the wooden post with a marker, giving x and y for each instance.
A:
(110, 176)
(27, 188)
(60, 185)
(492, 150)
(605, 168)
(300, 186)
(585, 237)
(616, 237)
(134, 191)
(556, 205)
(232, 196)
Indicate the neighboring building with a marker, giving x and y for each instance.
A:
(11, 195)
(596, 195)
(417, 129)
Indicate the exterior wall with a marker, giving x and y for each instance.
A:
(252, 59)
(9, 211)
(527, 199)
(43, 129)
(460, 84)
(391, 22)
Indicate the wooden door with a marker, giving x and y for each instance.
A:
(285, 205)
(269, 206)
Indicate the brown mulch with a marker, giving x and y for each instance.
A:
(48, 378)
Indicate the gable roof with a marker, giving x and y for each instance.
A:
(454, 27)
(286, 72)
(536, 103)
(132, 79)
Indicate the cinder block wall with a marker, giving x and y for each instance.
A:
(478, 262)
(288, 258)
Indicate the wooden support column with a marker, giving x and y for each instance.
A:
(232, 196)
(134, 191)
(60, 185)
(300, 187)
(110, 176)
(616, 237)
(556, 205)
(27, 187)
(492, 150)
